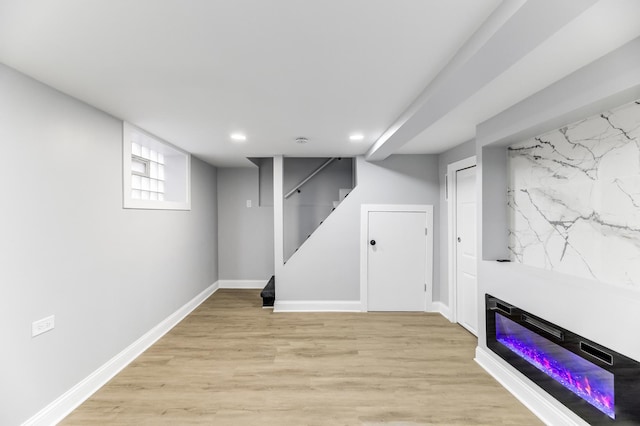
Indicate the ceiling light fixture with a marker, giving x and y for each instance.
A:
(302, 140)
(238, 137)
(356, 137)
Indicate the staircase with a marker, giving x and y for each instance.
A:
(315, 184)
(342, 194)
(268, 293)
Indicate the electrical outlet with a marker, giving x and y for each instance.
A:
(248, 204)
(42, 326)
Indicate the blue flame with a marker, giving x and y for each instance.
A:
(583, 378)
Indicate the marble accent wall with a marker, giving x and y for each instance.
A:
(574, 198)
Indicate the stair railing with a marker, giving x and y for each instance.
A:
(308, 178)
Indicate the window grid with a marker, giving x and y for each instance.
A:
(147, 173)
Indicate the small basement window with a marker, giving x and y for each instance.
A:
(156, 174)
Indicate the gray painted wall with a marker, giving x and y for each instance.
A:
(69, 249)
(460, 152)
(304, 211)
(265, 179)
(245, 235)
(327, 266)
(604, 313)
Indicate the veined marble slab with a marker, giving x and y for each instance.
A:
(574, 198)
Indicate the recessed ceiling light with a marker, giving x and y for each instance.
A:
(238, 137)
(302, 140)
(356, 137)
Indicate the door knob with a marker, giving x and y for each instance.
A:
(372, 242)
(459, 240)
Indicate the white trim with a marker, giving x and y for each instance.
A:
(364, 247)
(317, 306)
(442, 309)
(278, 215)
(451, 229)
(248, 284)
(62, 406)
(535, 399)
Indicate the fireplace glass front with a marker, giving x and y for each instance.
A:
(598, 384)
(583, 378)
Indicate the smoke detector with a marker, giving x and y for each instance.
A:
(302, 140)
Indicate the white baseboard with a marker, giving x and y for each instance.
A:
(317, 306)
(61, 407)
(246, 284)
(442, 309)
(550, 411)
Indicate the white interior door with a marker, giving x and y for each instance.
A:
(466, 257)
(396, 261)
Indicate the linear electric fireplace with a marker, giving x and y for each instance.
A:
(598, 384)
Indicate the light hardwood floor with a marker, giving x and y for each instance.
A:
(232, 363)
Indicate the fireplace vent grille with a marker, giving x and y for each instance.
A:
(544, 327)
(504, 308)
(597, 353)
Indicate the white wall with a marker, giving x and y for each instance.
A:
(245, 234)
(69, 249)
(603, 313)
(460, 152)
(327, 268)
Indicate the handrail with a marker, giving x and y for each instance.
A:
(308, 178)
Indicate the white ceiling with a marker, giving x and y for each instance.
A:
(599, 30)
(195, 71)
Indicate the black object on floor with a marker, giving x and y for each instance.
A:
(268, 293)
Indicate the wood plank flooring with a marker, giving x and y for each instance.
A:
(232, 363)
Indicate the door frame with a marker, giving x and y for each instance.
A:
(452, 217)
(364, 248)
